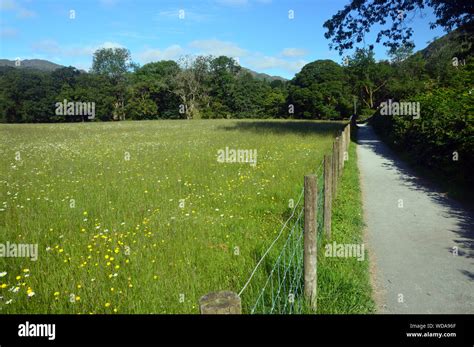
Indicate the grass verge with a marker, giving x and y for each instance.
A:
(344, 283)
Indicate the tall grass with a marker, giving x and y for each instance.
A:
(114, 235)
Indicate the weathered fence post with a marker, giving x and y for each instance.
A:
(348, 137)
(340, 153)
(338, 160)
(348, 134)
(310, 239)
(346, 143)
(224, 302)
(343, 147)
(327, 194)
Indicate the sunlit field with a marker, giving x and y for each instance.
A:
(140, 217)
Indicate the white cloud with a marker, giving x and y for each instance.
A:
(172, 52)
(12, 5)
(187, 14)
(293, 52)
(286, 60)
(6, 5)
(53, 48)
(261, 62)
(217, 47)
(108, 44)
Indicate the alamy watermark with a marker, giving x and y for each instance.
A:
(19, 250)
(75, 108)
(229, 155)
(400, 108)
(345, 250)
(37, 330)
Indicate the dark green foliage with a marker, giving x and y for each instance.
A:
(320, 91)
(25, 95)
(445, 127)
(150, 91)
(368, 78)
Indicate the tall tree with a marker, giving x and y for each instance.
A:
(154, 84)
(368, 77)
(192, 85)
(223, 73)
(320, 91)
(114, 63)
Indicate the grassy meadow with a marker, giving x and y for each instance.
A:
(140, 217)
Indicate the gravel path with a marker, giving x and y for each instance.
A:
(412, 247)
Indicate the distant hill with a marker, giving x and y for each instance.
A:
(440, 52)
(459, 43)
(45, 65)
(37, 64)
(263, 76)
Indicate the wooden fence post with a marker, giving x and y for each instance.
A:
(340, 154)
(224, 302)
(327, 194)
(348, 128)
(348, 136)
(343, 145)
(348, 140)
(310, 239)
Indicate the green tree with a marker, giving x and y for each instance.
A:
(192, 85)
(320, 91)
(114, 63)
(368, 77)
(223, 74)
(152, 91)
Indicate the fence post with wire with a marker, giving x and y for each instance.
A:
(284, 280)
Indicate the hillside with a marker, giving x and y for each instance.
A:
(263, 76)
(45, 65)
(38, 64)
(457, 43)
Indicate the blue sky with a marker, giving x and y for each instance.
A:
(257, 32)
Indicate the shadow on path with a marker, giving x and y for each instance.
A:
(463, 216)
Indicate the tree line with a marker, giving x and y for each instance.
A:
(192, 88)
(438, 80)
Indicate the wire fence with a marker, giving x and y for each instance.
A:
(283, 289)
(277, 282)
